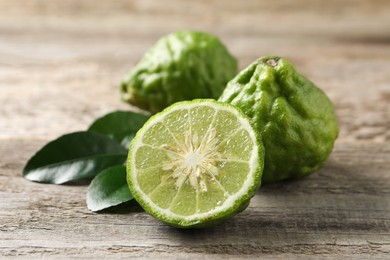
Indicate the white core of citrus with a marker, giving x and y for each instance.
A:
(194, 159)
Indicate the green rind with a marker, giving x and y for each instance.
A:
(295, 118)
(239, 205)
(181, 66)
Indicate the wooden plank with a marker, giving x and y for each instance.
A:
(343, 210)
(60, 64)
(61, 61)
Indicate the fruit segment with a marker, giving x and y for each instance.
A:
(185, 201)
(212, 196)
(150, 178)
(147, 156)
(237, 169)
(225, 125)
(158, 135)
(164, 193)
(177, 123)
(237, 147)
(202, 120)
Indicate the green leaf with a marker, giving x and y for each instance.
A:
(120, 126)
(109, 188)
(73, 157)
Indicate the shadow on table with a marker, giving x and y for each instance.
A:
(311, 211)
(124, 208)
(238, 236)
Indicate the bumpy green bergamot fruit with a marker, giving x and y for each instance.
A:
(181, 66)
(296, 119)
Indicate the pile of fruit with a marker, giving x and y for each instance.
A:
(213, 138)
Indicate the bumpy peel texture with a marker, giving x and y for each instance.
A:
(296, 119)
(181, 66)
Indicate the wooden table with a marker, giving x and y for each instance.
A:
(60, 64)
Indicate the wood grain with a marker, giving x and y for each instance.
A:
(61, 61)
(60, 64)
(343, 210)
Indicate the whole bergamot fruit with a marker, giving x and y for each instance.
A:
(296, 119)
(181, 66)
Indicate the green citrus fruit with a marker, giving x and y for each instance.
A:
(195, 163)
(296, 119)
(181, 66)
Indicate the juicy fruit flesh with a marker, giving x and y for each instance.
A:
(195, 161)
(191, 165)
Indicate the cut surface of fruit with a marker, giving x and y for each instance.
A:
(195, 163)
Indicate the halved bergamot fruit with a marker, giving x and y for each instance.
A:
(195, 163)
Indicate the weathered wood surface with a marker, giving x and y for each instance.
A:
(343, 210)
(60, 62)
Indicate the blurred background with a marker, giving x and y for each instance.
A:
(61, 61)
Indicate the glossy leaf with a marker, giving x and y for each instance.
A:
(109, 188)
(120, 126)
(73, 157)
